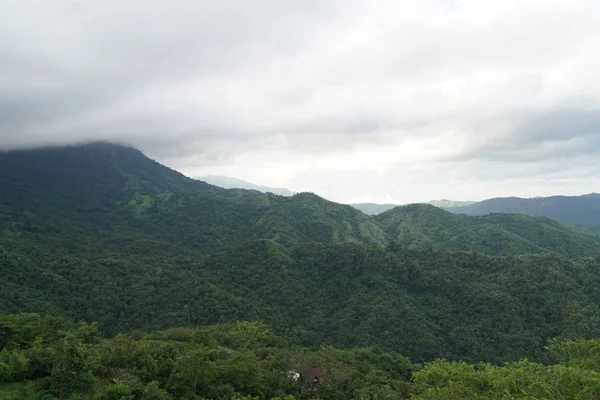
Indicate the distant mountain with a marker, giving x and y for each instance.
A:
(592, 195)
(579, 212)
(450, 203)
(228, 182)
(426, 227)
(374, 208)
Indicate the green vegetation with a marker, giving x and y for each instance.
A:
(246, 360)
(375, 209)
(14, 391)
(421, 226)
(101, 234)
(422, 304)
(579, 212)
(223, 361)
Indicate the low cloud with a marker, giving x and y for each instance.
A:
(350, 99)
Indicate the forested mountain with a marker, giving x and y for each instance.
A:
(99, 232)
(101, 193)
(423, 226)
(449, 203)
(579, 212)
(421, 304)
(228, 182)
(375, 209)
(105, 190)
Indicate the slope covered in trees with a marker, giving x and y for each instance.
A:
(46, 358)
(102, 233)
(422, 304)
(102, 190)
(102, 193)
(424, 226)
(579, 212)
(375, 208)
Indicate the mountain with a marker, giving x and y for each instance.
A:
(450, 203)
(423, 226)
(103, 190)
(228, 182)
(99, 232)
(374, 209)
(579, 212)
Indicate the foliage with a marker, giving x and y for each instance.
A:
(580, 212)
(425, 227)
(173, 270)
(245, 360)
(219, 361)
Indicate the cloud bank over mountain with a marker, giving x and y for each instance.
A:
(355, 100)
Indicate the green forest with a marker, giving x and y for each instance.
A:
(123, 279)
(47, 358)
(581, 213)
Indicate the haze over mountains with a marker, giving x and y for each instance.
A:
(228, 182)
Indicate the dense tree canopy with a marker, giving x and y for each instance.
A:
(103, 236)
(246, 360)
(579, 212)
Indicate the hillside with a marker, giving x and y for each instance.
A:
(101, 233)
(91, 192)
(579, 212)
(100, 193)
(375, 209)
(421, 304)
(422, 226)
(46, 358)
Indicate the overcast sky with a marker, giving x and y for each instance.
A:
(375, 100)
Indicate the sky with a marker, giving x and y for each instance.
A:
(358, 101)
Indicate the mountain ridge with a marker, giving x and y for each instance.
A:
(120, 187)
(101, 233)
(579, 212)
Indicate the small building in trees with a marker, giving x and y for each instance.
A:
(314, 376)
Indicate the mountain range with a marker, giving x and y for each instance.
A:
(375, 208)
(579, 212)
(100, 232)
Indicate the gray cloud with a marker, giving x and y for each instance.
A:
(537, 135)
(351, 99)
